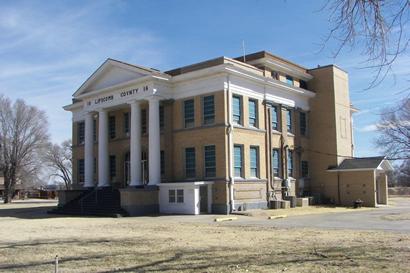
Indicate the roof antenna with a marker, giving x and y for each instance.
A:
(243, 48)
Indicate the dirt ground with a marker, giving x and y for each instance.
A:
(30, 239)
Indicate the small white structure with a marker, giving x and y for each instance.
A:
(185, 197)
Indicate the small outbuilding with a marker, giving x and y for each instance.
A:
(363, 179)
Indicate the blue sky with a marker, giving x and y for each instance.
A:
(48, 48)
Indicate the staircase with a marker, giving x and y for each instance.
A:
(96, 202)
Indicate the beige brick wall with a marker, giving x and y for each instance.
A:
(357, 185)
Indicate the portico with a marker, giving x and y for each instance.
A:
(136, 180)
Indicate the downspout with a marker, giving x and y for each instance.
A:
(230, 146)
(268, 148)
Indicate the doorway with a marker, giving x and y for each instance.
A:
(203, 199)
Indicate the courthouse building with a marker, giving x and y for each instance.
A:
(218, 136)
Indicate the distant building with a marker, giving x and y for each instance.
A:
(18, 188)
(217, 136)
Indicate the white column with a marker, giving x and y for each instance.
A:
(135, 150)
(103, 164)
(88, 151)
(154, 150)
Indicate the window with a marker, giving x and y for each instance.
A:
(289, 119)
(113, 167)
(171, 196)
(303, 123)
(290, 163)
(210, 161)
(144, 121)
(80, 170)
(275, 162)
(303, 84)
(275, 75)
(208, 110)
(254, 157)
(289, 80)
(253, 113)
(304, 169)
(111, 126)
(162, 163)
(180, 196)
(94, 130)
(238, 160)
(189, 113)
(80, 132)
(237, 110)
(190, 163)
(274, 114)
(161, 117)
(127, 123)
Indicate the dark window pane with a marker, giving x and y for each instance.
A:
(289, 119)
(209, 109)
(305, 169)
(275, 162)
(190, 163)
(274, 114)
(303, 123)
(180, 196)
(210, 161)
(290, 163)
(161, 117)
(81, 132)
(254, 161)
(80, 170)
(189, 113)
(238, 160)
(111, 126)
(171, 196)
(162, 163)
(126, 123)
(143, 121)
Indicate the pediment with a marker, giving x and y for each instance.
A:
(111, 73)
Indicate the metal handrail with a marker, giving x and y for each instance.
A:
(86, 196)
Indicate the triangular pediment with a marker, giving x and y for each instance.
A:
(111, 73)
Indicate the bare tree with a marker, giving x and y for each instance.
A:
(394, 129)
(379, 27)
(58, 158)
(23, 138)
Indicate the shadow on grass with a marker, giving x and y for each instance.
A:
(27, 212)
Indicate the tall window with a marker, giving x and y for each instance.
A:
(289, 119)
(238, 163)
(144, 121)
(304, 169)
(275, 75)
(162, 163)
(290, 163)
(237, 110)
(274, 114)
(275, 162)
(161, 117)
(208, 110)
(111, 126)
(189, 113)
(210, 161)
(254, 157)
(80, 132)
(171, 196)
(190, 163)
(94, 129)
(113, 166)
(253, 116)
(303, 123)
(126, 123)
(289, 80)
(80, 166)
(303, 84)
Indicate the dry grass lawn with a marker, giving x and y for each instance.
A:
(29, 240)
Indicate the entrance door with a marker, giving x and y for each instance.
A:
(203, 199)
(144, 167)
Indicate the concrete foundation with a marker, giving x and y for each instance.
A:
(140, 201)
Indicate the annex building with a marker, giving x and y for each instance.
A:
(217, 136)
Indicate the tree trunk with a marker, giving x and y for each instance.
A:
(7, 194)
